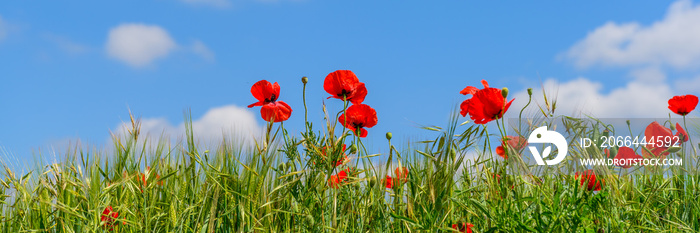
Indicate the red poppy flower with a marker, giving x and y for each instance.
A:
(588, 177)
(627, 154)
(515, 142)
(144, 181)
(485, 105)
(682, 105)
(344, 84)
(357, 117)
(389, 182)
(335, 180)
(659, 138)
(401, 173)
(465, 227)
(267, 94)
(682, 135)
(108, 218)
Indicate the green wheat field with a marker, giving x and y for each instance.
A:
(324, 179)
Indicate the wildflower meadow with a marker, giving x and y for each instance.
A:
(479, 174)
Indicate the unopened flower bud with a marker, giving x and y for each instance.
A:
(388, 135)
(353, 149)
(504, 92)
(304, 79)
(628, 122)
(372, 181)
(673, 127)
(311, 220)
(529, 91)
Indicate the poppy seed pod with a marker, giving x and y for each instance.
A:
(504, 92)
(304, 80)
(529, 91)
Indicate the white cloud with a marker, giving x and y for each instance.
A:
(581, 96)
(202, 50)
(213, 3)
(66, 44)
(673, 41)
(138, 44)
(687, 85)
(236, 123)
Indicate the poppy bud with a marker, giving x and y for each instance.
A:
(388, 135)
(353, 149)
(628, 122)
(304, 79)
(310, 219)
(529, 91)
(281, 167)
(372, 181)
(613, 152)
(673, 127)
(504, 92)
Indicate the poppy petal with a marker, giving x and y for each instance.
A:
(264, 90)
(653, 132)
(363, 133)
(681, 133)
(501, 152)
(259, 103)
(464, 108)
(388, 182)
(469, 90)
(626, 153)
(486, 84)
(278, 111)
(359, 95)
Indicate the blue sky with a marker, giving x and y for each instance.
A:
(72, 70)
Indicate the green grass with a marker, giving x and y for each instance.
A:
(281, 185)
